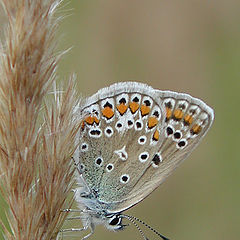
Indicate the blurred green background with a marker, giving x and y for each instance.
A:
(190, 46)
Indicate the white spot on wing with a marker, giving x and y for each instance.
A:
(124, 178)
(182, 144)
(95, 132)
(108, 131)
(84, 147)
(99, 161)
(122, 153)
(109, 167)
(142, 140)
(143, 157)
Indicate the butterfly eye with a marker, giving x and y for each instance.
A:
(115, 221)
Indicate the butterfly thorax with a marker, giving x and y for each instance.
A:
(94, 212)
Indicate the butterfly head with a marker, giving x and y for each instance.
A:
(114, 222)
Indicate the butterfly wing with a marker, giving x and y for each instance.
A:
(187, 120)
(133, 137)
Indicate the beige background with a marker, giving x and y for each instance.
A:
(190, 46)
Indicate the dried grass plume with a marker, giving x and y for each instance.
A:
(36, 135)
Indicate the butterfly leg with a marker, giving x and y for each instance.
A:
(71, 210)
(91, 226)
(80, 230)
(74, 229)
(74, 218)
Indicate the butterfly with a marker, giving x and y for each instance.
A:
(131, 138)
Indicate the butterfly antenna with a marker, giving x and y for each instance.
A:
(136, 225)
(146, 225)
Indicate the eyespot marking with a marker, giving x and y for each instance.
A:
(156, 114)
(142, 140)
(108, 104)
(130, 123)
(135, 99)
(124, 178)
(147, 103)
(108, 131)
(109, 167)
(169, 131)
(99, 161)
(119, 126)
(177, 135)
(84, 147)
(182, 144)
(138, 125)
(95, 133)
(143, 157)
(157, 159)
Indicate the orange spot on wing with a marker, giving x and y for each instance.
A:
(96, 120)
(82, 125)
(107, 112)
(168, 113)
(133, 106)
(188, 119)
(152, 122)
(145, 110)
(89, 120)
(122, 108)
(178, 114)
(196, 129)
(156, 135)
